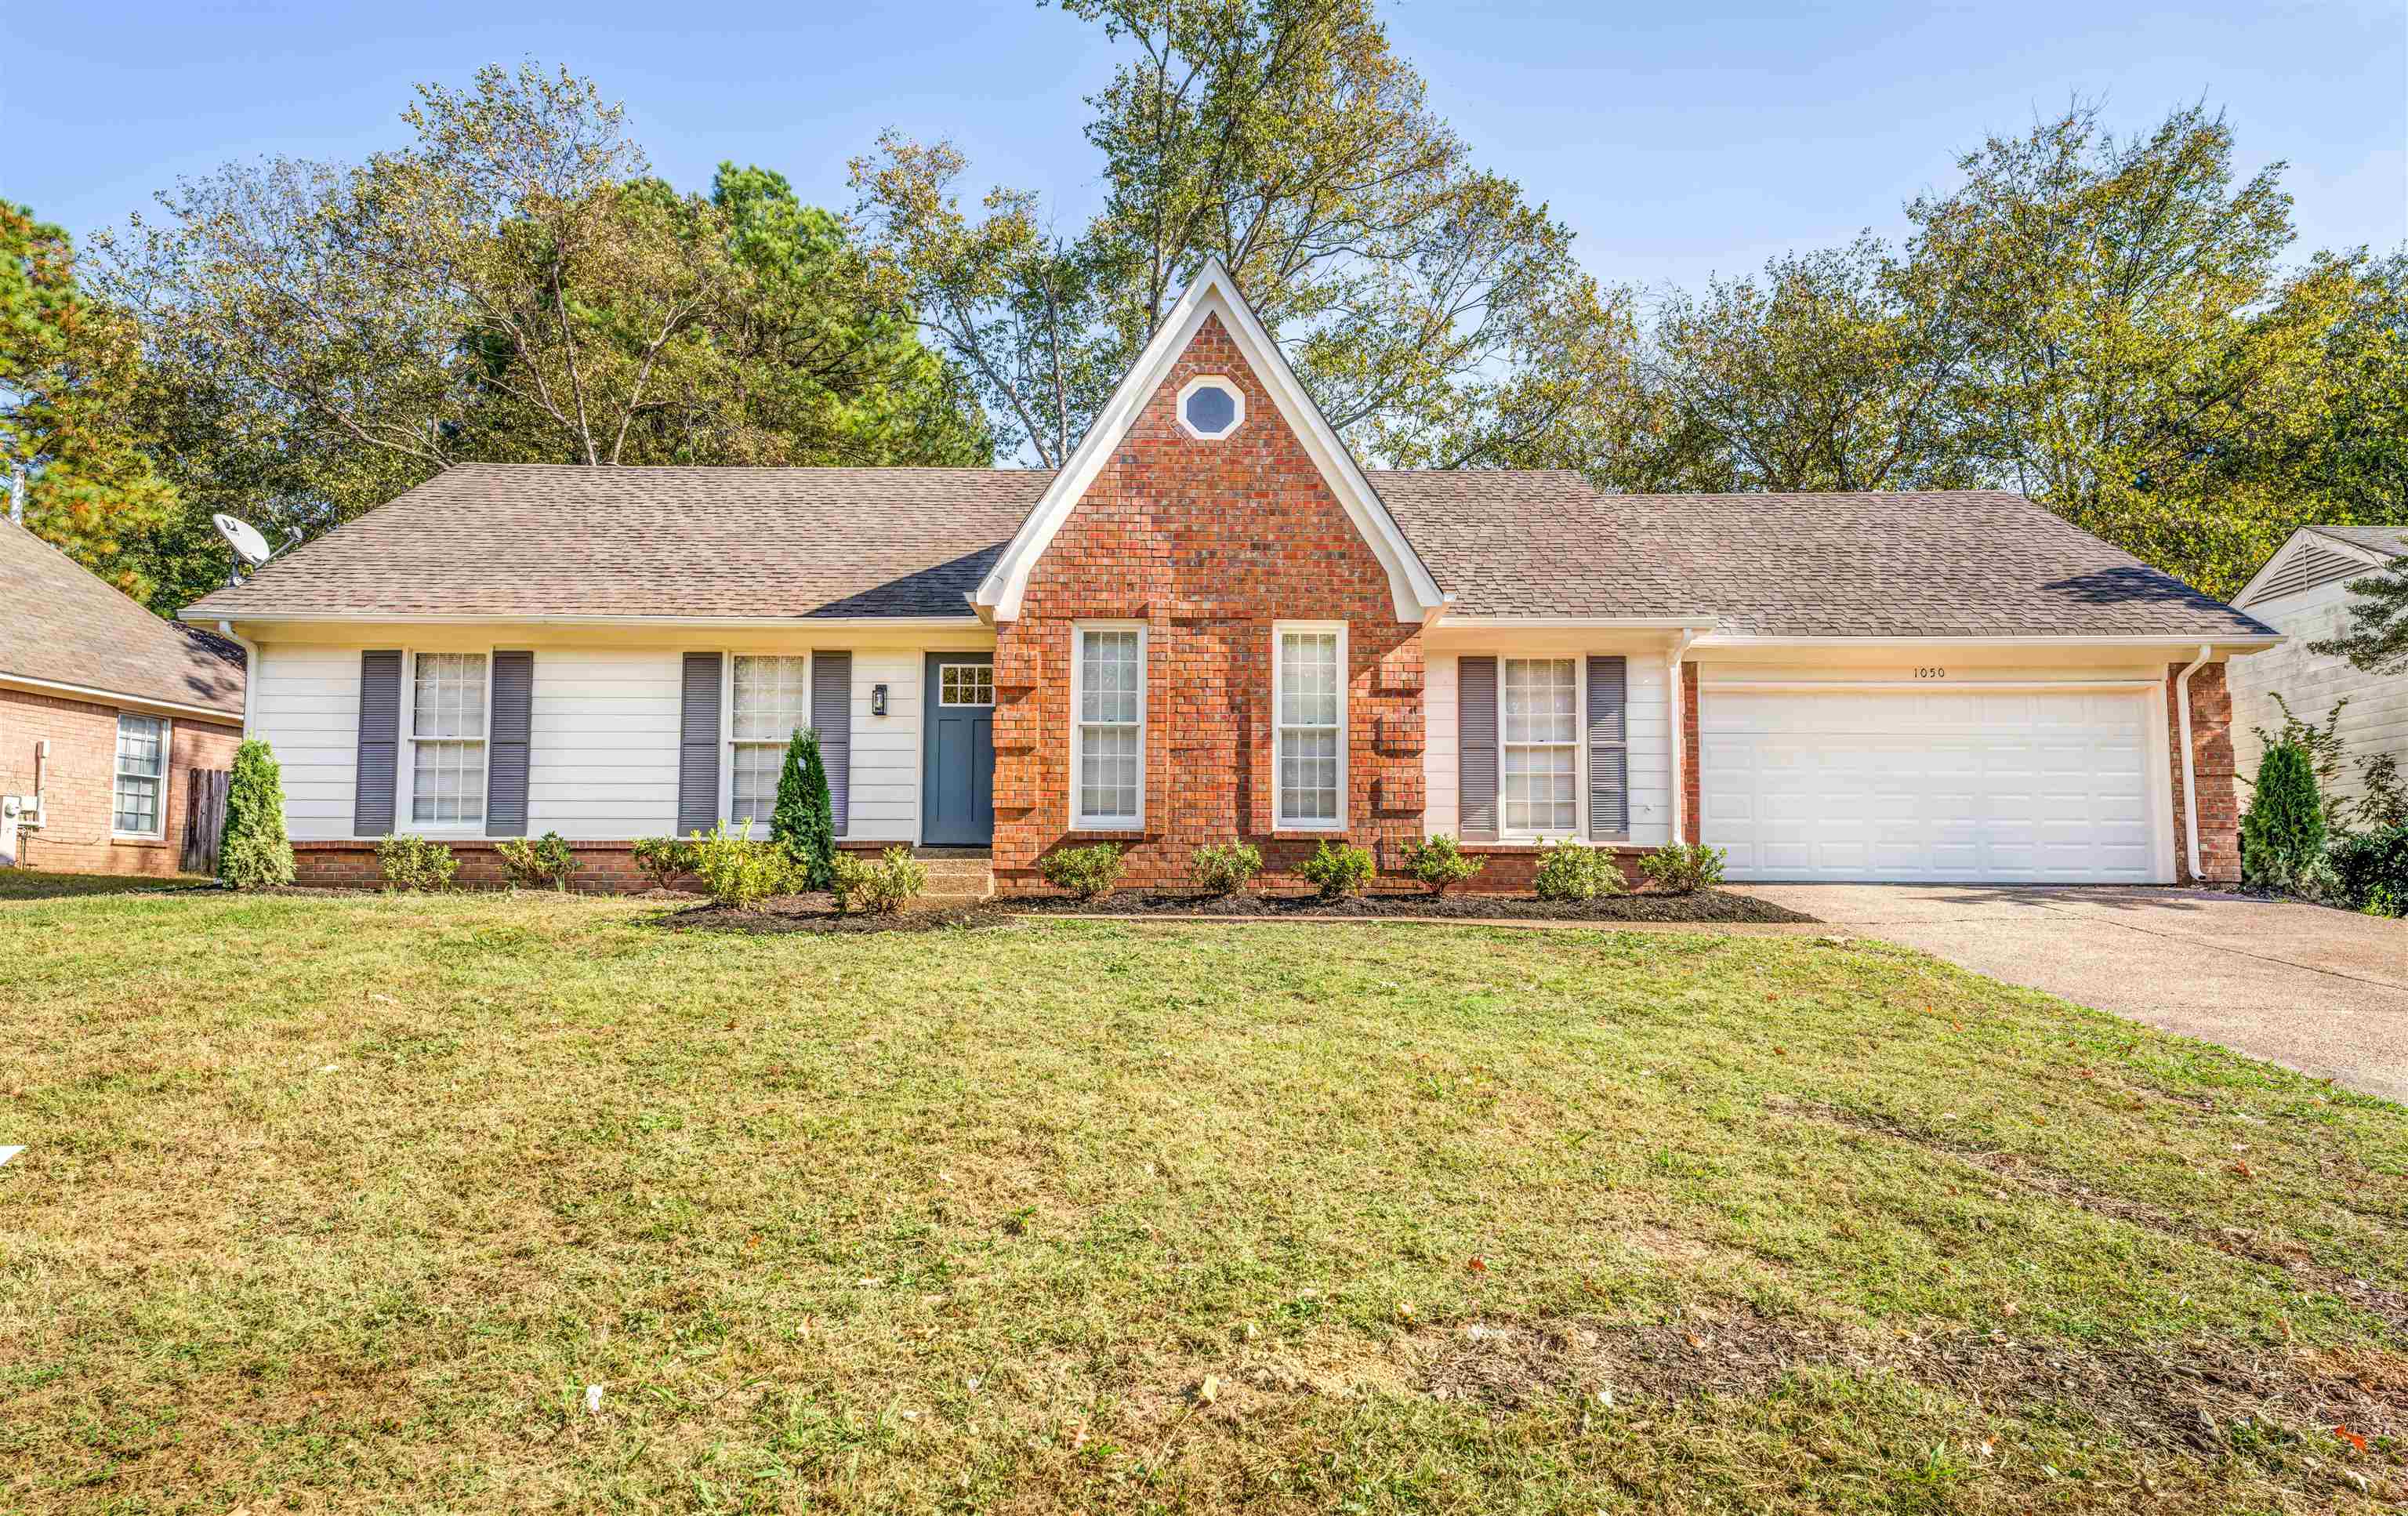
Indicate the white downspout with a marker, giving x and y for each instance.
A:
(249, 670)
(1674, 708)
(2190, 772)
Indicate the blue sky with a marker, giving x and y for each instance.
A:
(1678, 140)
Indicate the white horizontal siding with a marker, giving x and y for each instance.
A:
(306, 707)
(1650, 803)
(2374, 722)
(602, 754)
(886, 800)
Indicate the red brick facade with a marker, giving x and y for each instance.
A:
(2211, 761)
(79, 780)
(1209, 543)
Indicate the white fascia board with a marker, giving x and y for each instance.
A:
(1414, 593)
(1627, 623)
(780, 623)
(95, 695)
(2251, 642)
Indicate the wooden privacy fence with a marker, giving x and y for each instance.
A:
(205, 798)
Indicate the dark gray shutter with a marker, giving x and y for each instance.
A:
(379, 750)
(1609, 749)
(506, 764)
(698, 746)
(832, 718)
(1475, 746)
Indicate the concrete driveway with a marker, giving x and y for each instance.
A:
(2322, 991)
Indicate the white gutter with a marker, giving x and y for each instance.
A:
(1675, 706)
(781, 624)
(2190, 772)
(249, 668)
(1735, 640)
(99, 696)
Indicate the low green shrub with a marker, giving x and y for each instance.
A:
(1338, 869)
(663, 858)
(1682, 868)
(1440, 863)
(546, 862)
(1090, 872)
(1575, 871)
(894, 882)
(737, 871)
(2382, 799)
(2282, 831)
(2369, 868)
(252, 849)
(1225, 868)
(413, 863)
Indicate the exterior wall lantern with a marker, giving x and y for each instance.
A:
(877, 700)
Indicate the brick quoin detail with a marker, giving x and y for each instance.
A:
(1208, 544)
(80, 782)
(2212, 760)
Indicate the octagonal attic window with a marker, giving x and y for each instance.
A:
(1211, 408)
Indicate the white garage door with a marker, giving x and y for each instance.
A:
(2004, 787)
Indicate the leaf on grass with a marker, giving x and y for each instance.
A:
(1476, 1263)
(1209, 1390)
(2352, 1439)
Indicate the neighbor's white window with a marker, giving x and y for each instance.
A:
(447, 738)
(1108, 728)
(771, 700)
(1538, 730)
(1309, 693)
(140, 807)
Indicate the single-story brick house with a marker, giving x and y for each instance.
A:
(105, 711)
(1212, 624)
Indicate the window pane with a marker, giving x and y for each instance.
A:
(138, 804)
(448, 694)
(757, 767)
(772, 698)
(446, 781)
(139, 743)
(1308, 775)
(1538, 789)
(1542, 696)
(964, 684)
(1109, 760)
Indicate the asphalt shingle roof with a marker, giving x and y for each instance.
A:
(61, 624)
(514, 541)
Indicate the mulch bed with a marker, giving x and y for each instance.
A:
(817, 912)
(1704, 906)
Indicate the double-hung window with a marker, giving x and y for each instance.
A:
(1108, 728)
(771, 700)
(447, 738)
(1539, 732)
(139, 807)
(1309, 690)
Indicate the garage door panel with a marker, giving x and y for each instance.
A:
(2001, 785)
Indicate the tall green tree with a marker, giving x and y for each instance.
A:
(511, 286)
(69, 365)
(1437, 315)
(2376, 638)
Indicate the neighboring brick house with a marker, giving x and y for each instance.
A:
(1214, 624)
(105, 711)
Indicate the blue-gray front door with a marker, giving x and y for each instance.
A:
(957, 751)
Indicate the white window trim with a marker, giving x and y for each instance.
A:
(167, 777)
(1081, 823)
(1218, 381)
(727, 743)
(1579, 832)
(405, 779)
(1280, 631)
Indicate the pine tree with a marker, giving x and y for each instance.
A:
(2377, 639)
(252, 849)
(804, 822)
(2284, 831)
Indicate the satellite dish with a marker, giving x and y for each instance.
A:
(243, 538)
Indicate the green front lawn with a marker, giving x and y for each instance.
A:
(35, 884)
(344, 1203)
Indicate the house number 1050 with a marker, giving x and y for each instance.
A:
(1932, 673)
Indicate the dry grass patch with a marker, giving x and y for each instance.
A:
(345, 1203)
